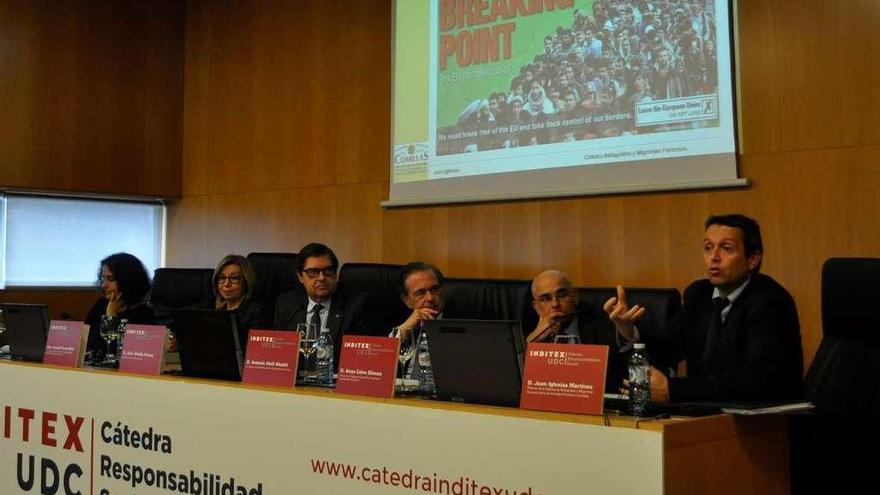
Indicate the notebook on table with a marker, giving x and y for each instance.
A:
(208, 343)
(476, 361)
(27, 326)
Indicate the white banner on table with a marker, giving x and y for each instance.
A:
(98, 433)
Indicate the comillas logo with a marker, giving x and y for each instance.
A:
(410, 153)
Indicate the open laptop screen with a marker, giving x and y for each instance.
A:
(478, 361)
(207, 341)
(26, 328)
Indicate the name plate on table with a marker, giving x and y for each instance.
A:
(564, 377)
(367, 365)
(271, 358)
(66, 343)
(143, 349)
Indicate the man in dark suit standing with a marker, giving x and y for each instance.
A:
(324, 302)
(556, 303)
(738, 329)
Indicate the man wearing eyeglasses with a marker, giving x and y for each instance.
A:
(559, 313)
(324, 302)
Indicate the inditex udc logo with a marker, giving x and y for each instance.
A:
(357, 345)
(30, 427)
(552, 357)
(410, 153)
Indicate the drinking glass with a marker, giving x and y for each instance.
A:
(407, 349)
(308, 336)
(562, 338)
(109, 331)
(2, 328)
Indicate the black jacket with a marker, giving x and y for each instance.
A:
(139, 314)
(351, 312)
(760, 356)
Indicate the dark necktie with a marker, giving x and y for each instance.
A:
(714, 336)
(316, 318)
(309, 364)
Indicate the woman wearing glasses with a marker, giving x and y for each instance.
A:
(125, 286)
(234, 283)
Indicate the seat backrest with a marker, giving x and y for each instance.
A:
(276, 274)
(381, 281)
(485, 299)
(848, 289)
(661, 306)
(175, 288)
(849, 353)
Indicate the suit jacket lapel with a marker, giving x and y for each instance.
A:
(731, 323)
(336, 315)
(298, 315)
(704, 315)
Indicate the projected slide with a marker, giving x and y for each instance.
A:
(498, 87)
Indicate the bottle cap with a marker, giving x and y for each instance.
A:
(639, 345)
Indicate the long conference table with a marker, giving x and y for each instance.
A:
(73, 431)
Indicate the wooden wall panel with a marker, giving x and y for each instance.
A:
(286, 94)
(63, 304)
(286, 115)
(808, 75)
(95, 96)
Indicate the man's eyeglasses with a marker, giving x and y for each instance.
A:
(234, 280)
(430, 290)
(560, 295)
(330, 271)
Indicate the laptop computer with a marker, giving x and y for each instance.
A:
(27, 326)
(476, 361)
(208, 343)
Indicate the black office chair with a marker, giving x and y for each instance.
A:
(842, 377)
(175, 288)
(381, 281)
(486, 299)
(276, 274)
(661, 305)
(832, 450)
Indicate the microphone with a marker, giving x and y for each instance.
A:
(555, 323)
(573, 314)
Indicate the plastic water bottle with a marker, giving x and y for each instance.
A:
(639, 381)
(324, 358)
(426, 373)
(120, 338)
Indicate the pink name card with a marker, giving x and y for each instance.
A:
(367, 365)
(271, 358)
(143, 349)
(66, 343)
(564, 378)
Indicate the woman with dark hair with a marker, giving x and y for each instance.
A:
(234, 282)
(126, 285)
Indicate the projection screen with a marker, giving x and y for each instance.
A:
(511, 99)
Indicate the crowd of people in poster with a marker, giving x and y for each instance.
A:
(591, 74)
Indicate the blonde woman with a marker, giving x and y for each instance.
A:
(234, 282)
